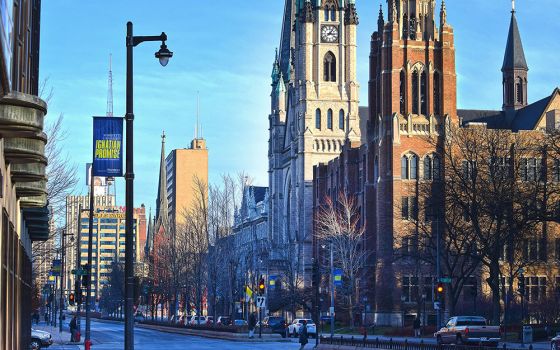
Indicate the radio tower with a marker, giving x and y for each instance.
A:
(110, 90)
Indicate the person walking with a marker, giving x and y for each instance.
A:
(73, 329)
(303, 336)
(252, 324)
(416, 326)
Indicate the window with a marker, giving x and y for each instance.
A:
(403, 93)
(520, 90)
(557, 248)
(329, 67)
(415, 92)
(556, 171)
(534, 249)
(341, 119)
(330, 119)
(531, 169)
(535, 288)
(432, 168)
(414, 167)
(408, 246)
(423, 94)
(410, 289)
(409, 167)
(318, 119)
(501, 167)
(375, 168)
(333, 14)
(469, 170)
(326, 13)
(437, 96)
(409, 208)
(404, 167)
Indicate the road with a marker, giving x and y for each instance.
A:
(109, 336)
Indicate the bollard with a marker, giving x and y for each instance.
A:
(391, 343)
(406, 344)
(377, 342)
(87, 344)
(531, 347)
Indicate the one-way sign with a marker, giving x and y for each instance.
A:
(261, 301)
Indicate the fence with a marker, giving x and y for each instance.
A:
(403, 345)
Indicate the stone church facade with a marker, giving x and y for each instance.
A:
(314, 112)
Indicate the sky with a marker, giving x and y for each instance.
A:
(224, 50)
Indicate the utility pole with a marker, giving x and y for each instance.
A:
(77, 279)
(61, 302)
(438, 271)
(87, 340)
(332, 291)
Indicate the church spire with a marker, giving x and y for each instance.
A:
(514, 68)
(161, 203)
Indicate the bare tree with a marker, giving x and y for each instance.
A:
(339, 223)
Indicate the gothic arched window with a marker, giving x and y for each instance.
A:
(409, 167)
(333, 13)
(413, 167)
(520, 91)
(329, 67)
(437, 96)
(318, 119)
(415, 92)
(326, 13)
(404, 167)
(341, 119)
(423, 94)
(330, 119)
(402, 95)
(432, 167)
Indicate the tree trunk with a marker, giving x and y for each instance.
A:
(494, 283)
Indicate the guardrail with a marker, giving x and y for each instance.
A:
(403, 345)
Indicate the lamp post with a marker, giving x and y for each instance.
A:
(63, 234)
(163, 55)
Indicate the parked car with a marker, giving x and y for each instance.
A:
(196, 320)
(40, 339)
(223, 321)
(239, 323)
(555, 342)
(275, 324)
(293, 328)
(461, 330)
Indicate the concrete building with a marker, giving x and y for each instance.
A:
(43, 254)
(108, 241)
(183, 168)
(25, 217)
(314, 112)
(412, 98)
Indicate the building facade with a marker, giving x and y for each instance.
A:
(25, 216)
(412, 105)
(314, 112)
(108, 244)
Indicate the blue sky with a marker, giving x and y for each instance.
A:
(225, 49)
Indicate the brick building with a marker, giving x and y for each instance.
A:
(412, 97)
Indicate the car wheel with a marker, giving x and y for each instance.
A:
(283, 334)
(553, 346)
(35, 344)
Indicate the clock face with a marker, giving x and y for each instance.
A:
(329, 34)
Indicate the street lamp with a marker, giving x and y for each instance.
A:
(163, 55)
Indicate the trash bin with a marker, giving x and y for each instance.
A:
(527, 334)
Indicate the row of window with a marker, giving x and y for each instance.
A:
(420, 92)
(330, 13)
(410, 167)
(318, 119)
(534, 250)
(530, 169)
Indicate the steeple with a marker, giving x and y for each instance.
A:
(514, 68)
(380, 21)
(162, 217)
(150, 236)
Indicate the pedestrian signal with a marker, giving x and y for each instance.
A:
(71, 299)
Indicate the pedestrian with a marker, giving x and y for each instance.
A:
(36, 317)
(303, 336)
(252, 324)
(73, 329)
(416, 326)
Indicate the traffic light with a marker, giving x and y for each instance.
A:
(262, 286)
(71, 299)
(521, 285)
(440, 289)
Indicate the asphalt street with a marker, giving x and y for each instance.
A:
(110, 336)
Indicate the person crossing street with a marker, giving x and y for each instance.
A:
(303, 335)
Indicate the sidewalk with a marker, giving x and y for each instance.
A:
(61, 340)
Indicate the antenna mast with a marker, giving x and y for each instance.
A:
(110, 90)
(197, 129)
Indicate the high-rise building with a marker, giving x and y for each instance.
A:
(43, 254)
(108, 243)
(185, 169)
(314, 112)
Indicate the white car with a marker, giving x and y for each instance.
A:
(294, 327)
(40, 339)
(195, 320)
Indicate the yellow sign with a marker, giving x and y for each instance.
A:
(106, 215)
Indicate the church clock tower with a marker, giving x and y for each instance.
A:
(314, 112)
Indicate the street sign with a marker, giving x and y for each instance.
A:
(445, 280)
(261, 301)
(272, 282)
(338, 277)
(436, 305)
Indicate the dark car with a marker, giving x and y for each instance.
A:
(555, 342)
(275, 324)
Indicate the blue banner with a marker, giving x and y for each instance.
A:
(107, 146)
(337, 277)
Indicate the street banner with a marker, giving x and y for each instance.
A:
(56, 267)
(107, 146)
(248, 294)
(338, 277)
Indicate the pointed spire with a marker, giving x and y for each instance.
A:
(380, 21)
(275, 69)
(161, 203)
(514, 57)
(443, 14)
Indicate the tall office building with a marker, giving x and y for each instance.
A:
(108, 243)
(184, 167)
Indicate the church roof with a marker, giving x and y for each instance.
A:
(514, 57)
(286, 38)
(161, 202)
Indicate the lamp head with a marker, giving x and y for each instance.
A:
(164, 54)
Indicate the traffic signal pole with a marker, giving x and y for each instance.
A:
(77, 282)
(87, 340)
